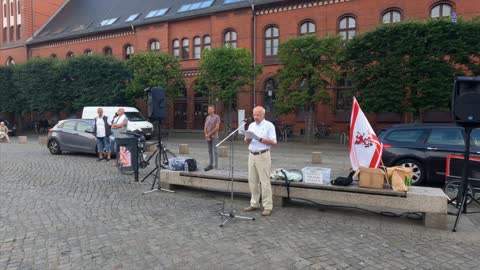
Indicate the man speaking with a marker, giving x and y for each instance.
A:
(259, 161)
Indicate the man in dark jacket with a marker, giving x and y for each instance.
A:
(102, 131)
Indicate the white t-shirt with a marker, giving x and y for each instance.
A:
(264, 129)
(100, 126)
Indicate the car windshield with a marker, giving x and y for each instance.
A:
(134, 116)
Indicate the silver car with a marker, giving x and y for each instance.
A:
(73, 135)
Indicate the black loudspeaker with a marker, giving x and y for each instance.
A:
(157, 103)
(466, 101)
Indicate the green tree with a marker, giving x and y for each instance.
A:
(8, 101)
(94, 80)
(309, 65)
(410, 66)
(226, 72)
(158, 69)
(39, 85)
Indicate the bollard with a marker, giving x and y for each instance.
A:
(223, 151)
(316, 157)
(42, 140)
(183, 149)
(22, 139)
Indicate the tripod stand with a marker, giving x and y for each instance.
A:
(463, 193)
(158, 166)
(227, 216)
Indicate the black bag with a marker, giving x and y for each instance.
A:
(343, 181)
(178, 164)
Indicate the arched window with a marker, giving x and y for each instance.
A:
(88, 52)
(307, 27)
(347, 27)
(197, 47)
(185, 48)
(391, 16)
(70, 55)
(154, 45)
(10, 61)
(129, 51)
(207, 42)
(441, 10)
(271, 41)
(230, 39)
(176, 48)
(269, 97)
(107, 51)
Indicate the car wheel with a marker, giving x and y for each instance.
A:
(54, 147)
(417, 167)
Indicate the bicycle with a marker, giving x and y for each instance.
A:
(143, 161)
(451, 189)
(322, 131)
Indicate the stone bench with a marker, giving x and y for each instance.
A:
(432, 202)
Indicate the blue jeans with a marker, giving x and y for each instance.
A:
(103, 142)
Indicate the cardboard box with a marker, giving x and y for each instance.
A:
(371, 178)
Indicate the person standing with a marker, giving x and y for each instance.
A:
(102, 131)
(212, 125)
(259, 162)
(119, 125)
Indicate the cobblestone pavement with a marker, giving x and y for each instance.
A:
(71, 212)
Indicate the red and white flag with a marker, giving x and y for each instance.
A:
(365, 148)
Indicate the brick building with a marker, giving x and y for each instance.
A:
(56, 28)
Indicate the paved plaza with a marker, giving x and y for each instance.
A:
(71, 212)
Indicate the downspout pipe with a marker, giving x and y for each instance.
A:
(254, 18)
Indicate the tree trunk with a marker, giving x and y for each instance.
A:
(309, 125)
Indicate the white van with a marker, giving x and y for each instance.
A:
(135, 118)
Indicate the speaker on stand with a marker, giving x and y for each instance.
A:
(157, 111)
(465, 113)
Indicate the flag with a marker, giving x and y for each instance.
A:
(365, 148)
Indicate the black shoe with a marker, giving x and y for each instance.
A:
(208, 168)
(99, 159)
(107, 160)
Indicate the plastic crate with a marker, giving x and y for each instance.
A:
(316, 175)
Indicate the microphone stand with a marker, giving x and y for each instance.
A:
(227, 216)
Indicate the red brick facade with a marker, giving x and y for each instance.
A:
(250, 27)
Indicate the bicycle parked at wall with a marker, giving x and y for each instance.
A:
(322, 131)
(143, 158)
(286, 132)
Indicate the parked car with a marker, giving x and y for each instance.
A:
(424, 148)
(12, 127)
(73, 135)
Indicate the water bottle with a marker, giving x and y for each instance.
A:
(185, 166)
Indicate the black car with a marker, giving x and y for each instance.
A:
(12, 127)
(424, 148)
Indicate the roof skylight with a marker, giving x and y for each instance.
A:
(108, 21)
(156, 13)
(132, 17)
(231, 1)
(193, 6)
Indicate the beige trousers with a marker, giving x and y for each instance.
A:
(259, 168)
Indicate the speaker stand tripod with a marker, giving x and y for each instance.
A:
(227, 216)
(158, 167)
(463, 195)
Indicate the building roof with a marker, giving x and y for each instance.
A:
(85, 17)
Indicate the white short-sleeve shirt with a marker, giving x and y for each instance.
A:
(265, 130)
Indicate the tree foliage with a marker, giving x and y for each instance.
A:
(52, 85)
(225, 73)
(94, 80)
(309, 65)
(410, 66)
(155, 69)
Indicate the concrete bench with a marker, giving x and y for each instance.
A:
(432, 202)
